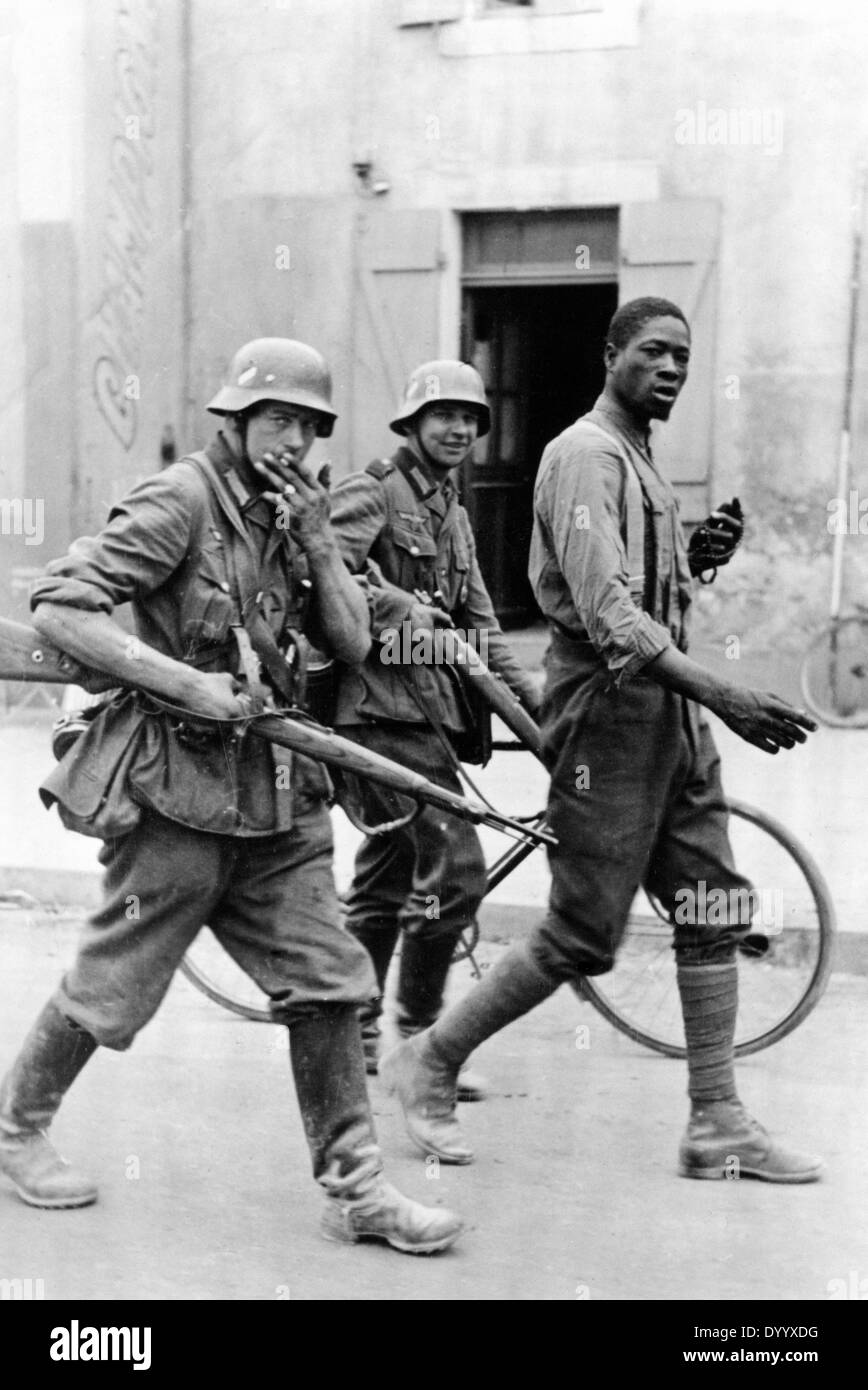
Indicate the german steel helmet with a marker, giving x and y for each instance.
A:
(277, 369)
(443, 380)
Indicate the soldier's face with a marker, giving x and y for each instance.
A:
(447, 433)
(280, 430)
(648, 373)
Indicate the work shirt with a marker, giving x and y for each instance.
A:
(170, 549)
(420, 536)
(578, 562)
(635, 797)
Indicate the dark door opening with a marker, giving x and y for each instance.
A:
(540, 352)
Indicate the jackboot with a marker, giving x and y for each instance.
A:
(425, 965)
(329, 1071)
(423, 1071)
(722, 1140)
(379, 942)
(53, 1054)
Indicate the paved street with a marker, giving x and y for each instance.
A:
(198, 1148)
(196, 1142)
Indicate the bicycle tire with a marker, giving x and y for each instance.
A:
(834, 674)
(193, 970)
(821, 936)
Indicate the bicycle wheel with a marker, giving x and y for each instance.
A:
(207, 966)
(783, 965)
(834, 674)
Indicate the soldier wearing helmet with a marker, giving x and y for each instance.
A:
(226, 554)
(403, 515)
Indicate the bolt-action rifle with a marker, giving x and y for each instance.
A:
(25, 656)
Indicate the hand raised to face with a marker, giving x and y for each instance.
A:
(300, 498)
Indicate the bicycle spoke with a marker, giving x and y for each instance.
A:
(778, 984)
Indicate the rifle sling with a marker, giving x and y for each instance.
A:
(244, 581)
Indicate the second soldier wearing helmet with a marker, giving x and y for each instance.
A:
(423, 881)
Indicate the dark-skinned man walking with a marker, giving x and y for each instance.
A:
(635, 794)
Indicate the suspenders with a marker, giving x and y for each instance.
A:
(635, 515)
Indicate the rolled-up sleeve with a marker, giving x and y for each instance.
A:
(578, 509)
(145, 539)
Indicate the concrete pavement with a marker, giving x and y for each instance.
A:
(196, 1142)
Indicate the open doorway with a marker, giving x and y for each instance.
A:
(539, 349)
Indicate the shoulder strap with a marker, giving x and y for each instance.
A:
(398, 491)
(380, 468)
(242, 592)
(244, 580)
(635, 513)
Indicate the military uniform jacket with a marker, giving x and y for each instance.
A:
(420, 537)
(169, 549)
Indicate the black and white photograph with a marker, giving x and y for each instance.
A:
(434, 664)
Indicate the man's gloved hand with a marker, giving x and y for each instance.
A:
(715, 542)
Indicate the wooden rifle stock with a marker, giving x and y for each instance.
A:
(24, 656)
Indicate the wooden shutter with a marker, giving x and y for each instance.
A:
(397, 318)
(669, 249)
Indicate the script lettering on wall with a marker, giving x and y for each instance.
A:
(129, 221)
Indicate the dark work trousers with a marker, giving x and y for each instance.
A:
(270, 901)
(426, 879)
(635, 800)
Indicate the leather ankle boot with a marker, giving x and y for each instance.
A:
(52, 1056)
(425, 1086)
(361, 1205)
(469, 1085)
(724, 1141)
(329, 1071)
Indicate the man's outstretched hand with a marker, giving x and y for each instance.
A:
(763, 719)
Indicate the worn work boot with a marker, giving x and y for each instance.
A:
(469, 1085)
(423, 1072)
(362, 1206)
(53, 1054)
(425, 1085)
(329, 1071)
(724, 1141)
(425, 964)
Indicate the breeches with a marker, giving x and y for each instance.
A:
(635, 800)
(270, 901)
